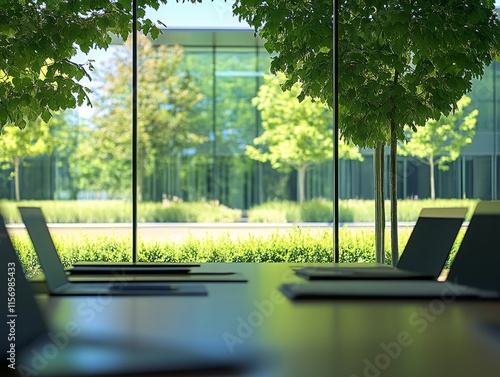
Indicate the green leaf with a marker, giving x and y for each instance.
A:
(46, 115)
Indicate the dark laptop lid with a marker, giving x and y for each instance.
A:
(423, 258)
(404, 289)
(21, 312)
(477, 263)
(52, 266)
(431, 240)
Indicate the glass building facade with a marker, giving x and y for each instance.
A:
(228, 64)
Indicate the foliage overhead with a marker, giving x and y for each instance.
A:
(39, 38)
(407, 61)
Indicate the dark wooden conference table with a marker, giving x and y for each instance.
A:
(401, 338)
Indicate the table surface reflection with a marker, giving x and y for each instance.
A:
(350, 338)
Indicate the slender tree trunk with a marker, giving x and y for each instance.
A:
(378, 168)
(393, 179)
(433, 183)
(141, 171)
(17, 165)
(73, 191)
(394, 194)
(302, 179)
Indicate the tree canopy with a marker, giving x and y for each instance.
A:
(296, 134)
(405, 60)
(440, 141)
(400, 62)
(408, 61)
(16, 145)
(166, 97)
(38, 40)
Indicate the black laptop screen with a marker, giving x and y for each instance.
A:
(477, 263)
(52, 267)
(23, 319)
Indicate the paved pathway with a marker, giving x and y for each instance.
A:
(177, 232)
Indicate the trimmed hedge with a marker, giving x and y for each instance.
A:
(116, 211)
(320, 210)
(350, 210)
(296, 245)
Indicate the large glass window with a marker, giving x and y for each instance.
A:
(196, 118)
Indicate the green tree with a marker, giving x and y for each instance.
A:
(166, 96)
(296, 134)
(440, 141)
(404, 62)
(38, 39)
(401, 62)
(75, 150)
(18, 144)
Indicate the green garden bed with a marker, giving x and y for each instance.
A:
(296, 245)
(115, 211)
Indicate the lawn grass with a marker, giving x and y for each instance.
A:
(117, 211)
(350, 210)
(319, 210)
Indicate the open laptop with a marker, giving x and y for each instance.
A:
(135, 268)
(140, 272)
(473, 273)
(423, 256)
(57, 280)
(37, 224)
(38, 350)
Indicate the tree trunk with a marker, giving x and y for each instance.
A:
(73, 192)
(394, 195)
(17, 165)
(378, 170)
(141, 171)
(302, 179)
(433, 183)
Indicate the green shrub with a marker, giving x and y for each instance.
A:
(292, 212)
(408, 210)
(353, 210)
(295, 245)
(275, 212)
(264, 215)
(319, 210)
(350, 210)
(115, 211)
(316, 211)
